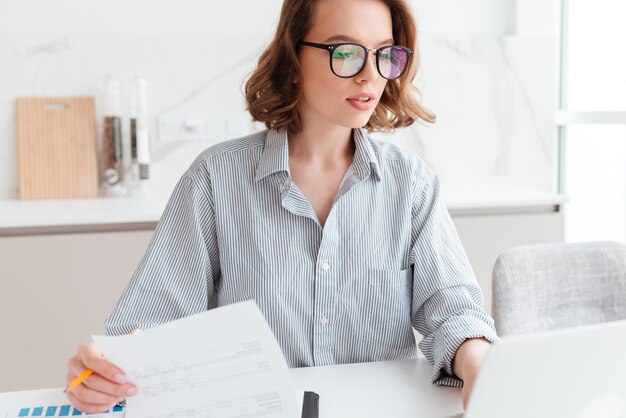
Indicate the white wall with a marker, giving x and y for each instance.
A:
(487, 71)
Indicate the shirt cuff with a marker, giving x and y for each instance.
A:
(448, 338)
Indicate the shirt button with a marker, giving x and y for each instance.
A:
(325, 266)
(324, 320)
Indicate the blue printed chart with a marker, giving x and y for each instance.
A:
(60, 411)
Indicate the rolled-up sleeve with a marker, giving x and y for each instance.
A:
(447, 305)
(178, 273)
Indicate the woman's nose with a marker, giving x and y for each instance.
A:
(369, 70)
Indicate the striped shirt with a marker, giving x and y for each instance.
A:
(388, 258)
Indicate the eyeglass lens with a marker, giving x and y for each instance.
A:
(348, 59)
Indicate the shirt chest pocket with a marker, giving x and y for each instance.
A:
(390, 286)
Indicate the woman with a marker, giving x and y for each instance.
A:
(342, 240)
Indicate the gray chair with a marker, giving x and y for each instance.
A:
(548, 286)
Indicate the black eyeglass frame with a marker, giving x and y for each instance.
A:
(331, 48)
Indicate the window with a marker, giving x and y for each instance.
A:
(592, 119)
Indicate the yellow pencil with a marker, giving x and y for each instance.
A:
(85, 374)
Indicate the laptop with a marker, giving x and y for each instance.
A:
(571, 373)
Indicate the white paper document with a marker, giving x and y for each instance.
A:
(222, 363)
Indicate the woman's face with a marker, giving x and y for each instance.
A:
(326, 96)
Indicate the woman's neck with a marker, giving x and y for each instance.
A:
(321, 145)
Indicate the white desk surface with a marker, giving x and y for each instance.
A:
(390, 389)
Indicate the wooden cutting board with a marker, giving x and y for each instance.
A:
(57, 147)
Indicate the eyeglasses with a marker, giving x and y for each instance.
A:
(347, 59)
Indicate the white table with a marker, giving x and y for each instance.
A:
(390, 389)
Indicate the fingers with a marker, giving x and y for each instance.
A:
(98, 383)
(106, 386)
(92, 358)
(465, 400)
(87, 407)
(90, 396)
(466, 394)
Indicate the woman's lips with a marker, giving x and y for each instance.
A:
(361, 105)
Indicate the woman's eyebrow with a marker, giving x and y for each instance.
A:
(350, 39)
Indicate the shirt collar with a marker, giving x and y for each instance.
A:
(275, 156)
(365, 159)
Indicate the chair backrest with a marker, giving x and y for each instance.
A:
(548, 286)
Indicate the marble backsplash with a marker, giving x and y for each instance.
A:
(494, 96)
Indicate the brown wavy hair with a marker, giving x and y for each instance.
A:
(272, 97)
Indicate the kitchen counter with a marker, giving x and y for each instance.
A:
(20, 217)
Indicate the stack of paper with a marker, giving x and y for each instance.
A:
(222, 363)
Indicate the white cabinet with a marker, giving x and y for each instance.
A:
(55, 291)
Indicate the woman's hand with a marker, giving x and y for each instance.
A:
(466, 364)
(106, 386)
